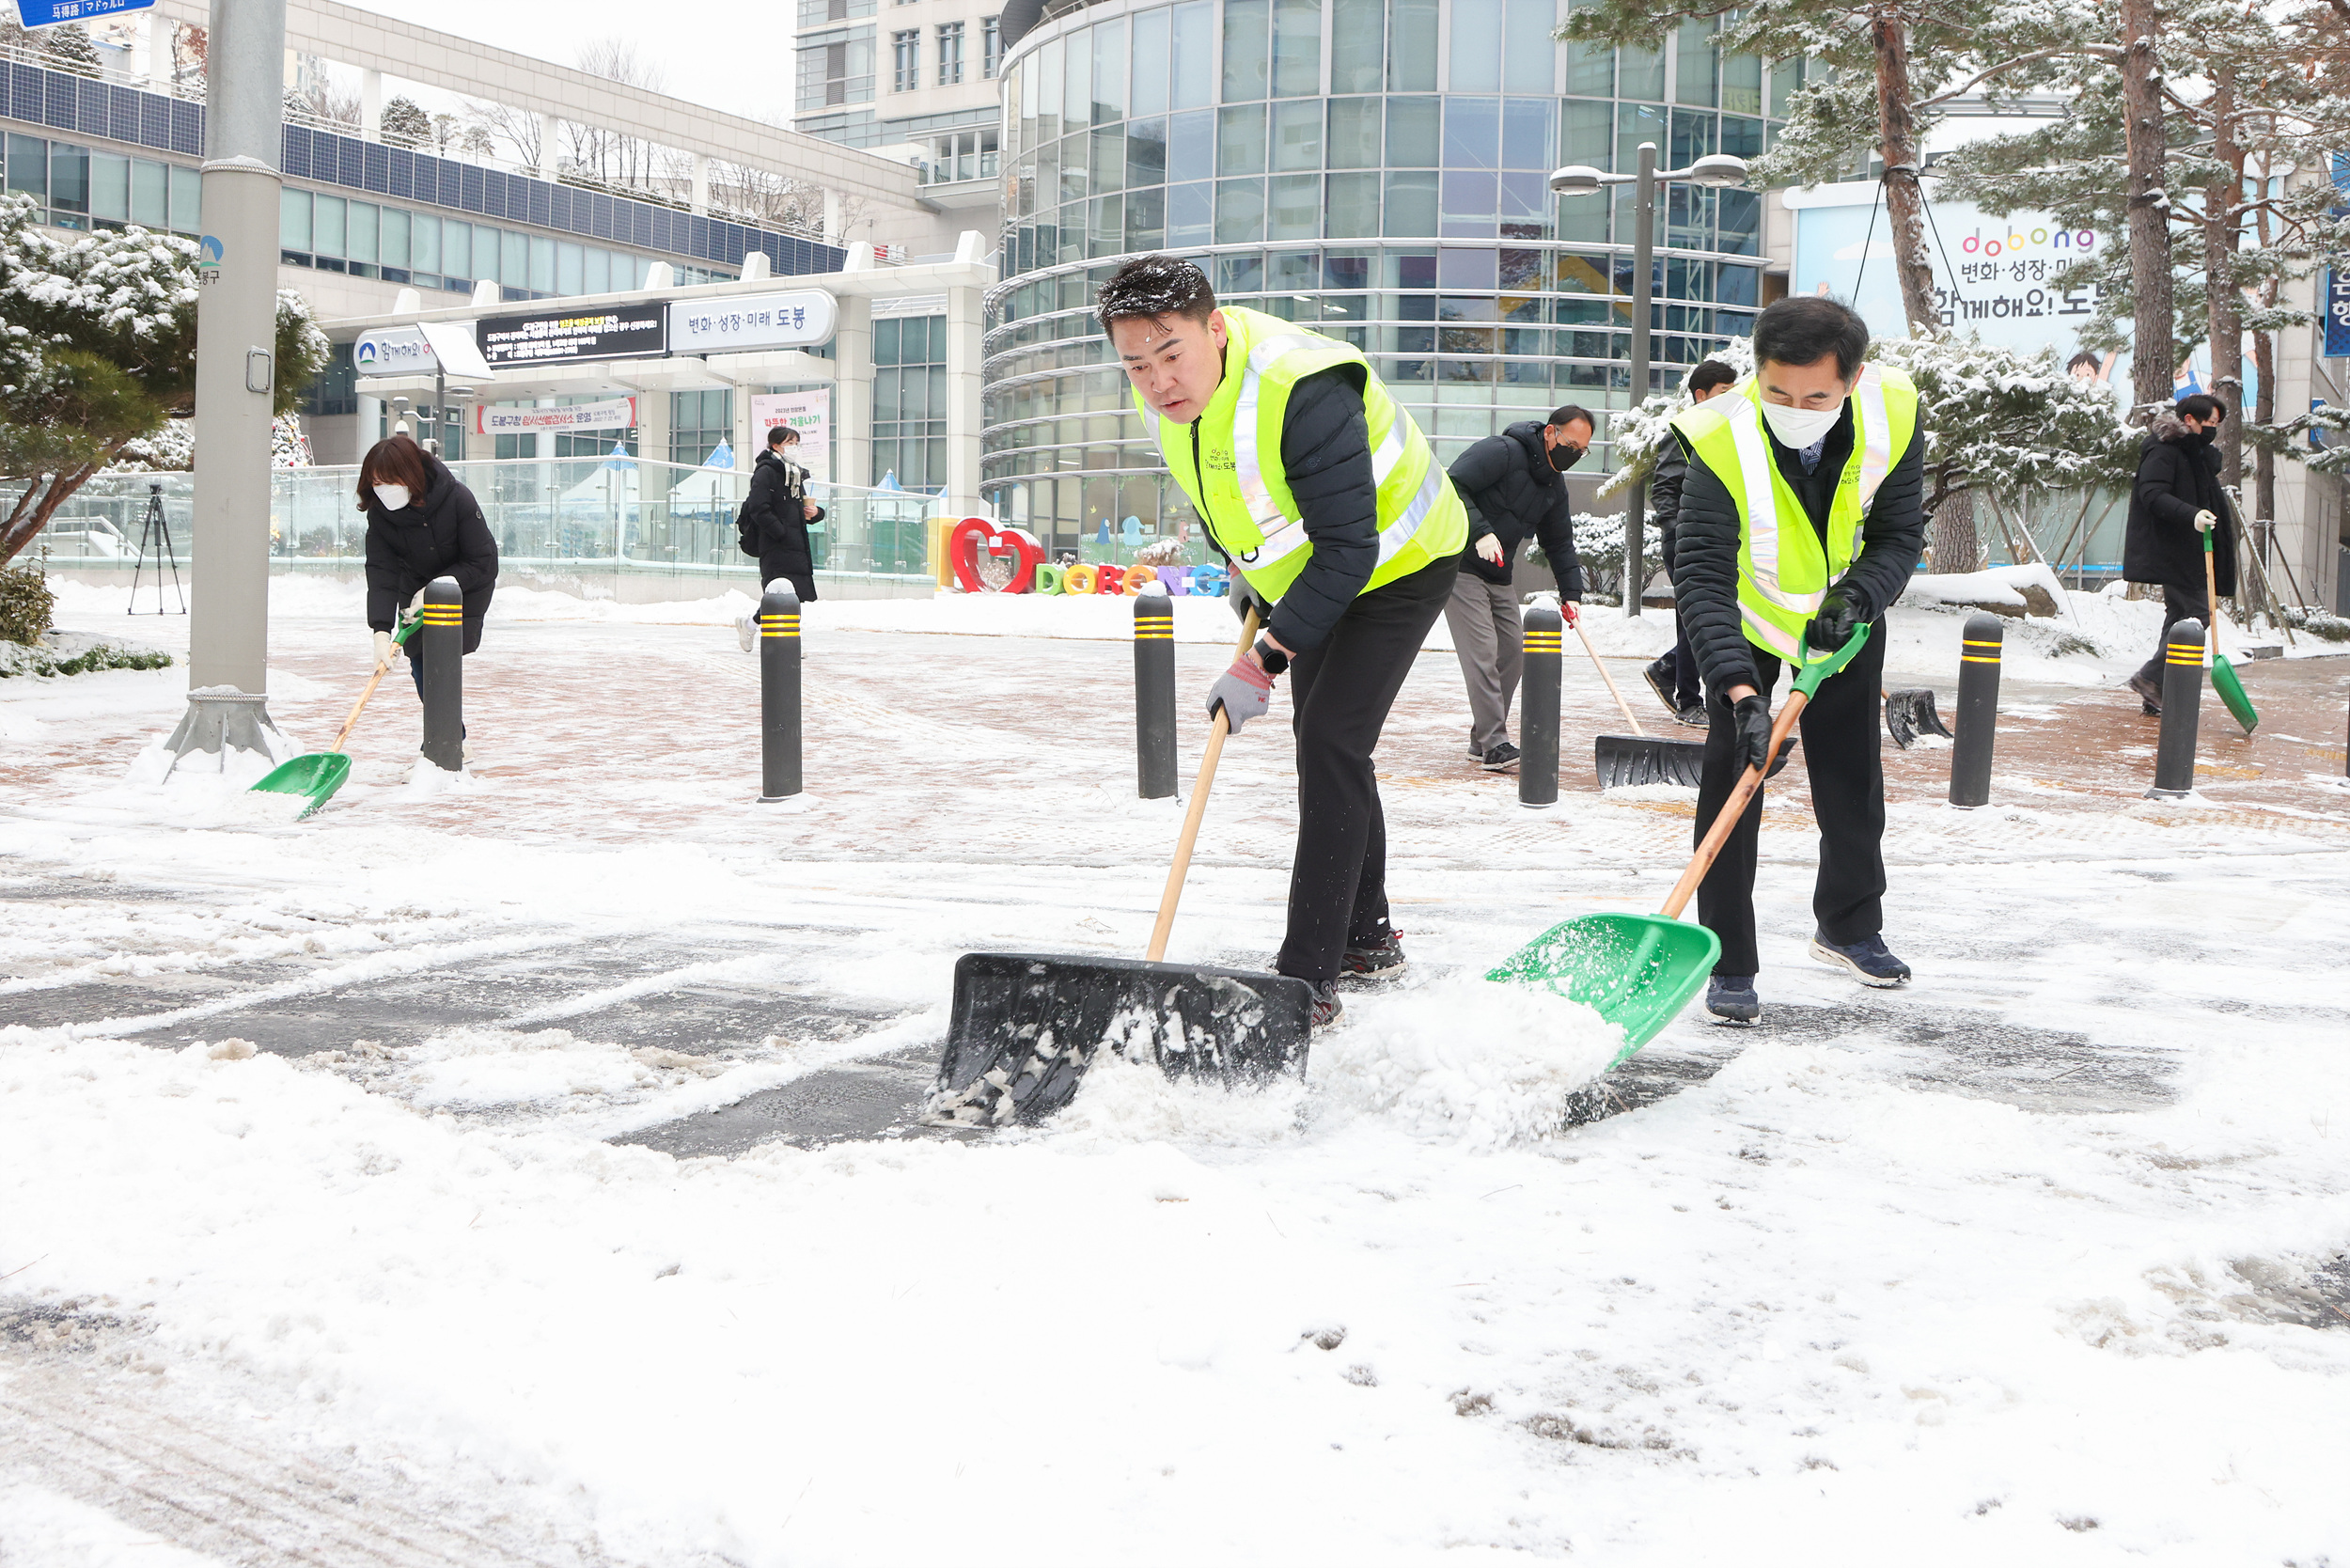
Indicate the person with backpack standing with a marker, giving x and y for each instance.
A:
(1512, 486)
(772, 525)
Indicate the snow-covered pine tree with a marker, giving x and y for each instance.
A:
(406, 123)
(1880, 72)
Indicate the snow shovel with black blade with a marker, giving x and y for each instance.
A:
(1638, 971)
(1909, 714)
(319, 774)
(1024, 1027)
(2223, 676)
(1640, 758)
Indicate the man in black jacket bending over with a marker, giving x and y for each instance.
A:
(1832, 531)
(1512, 486)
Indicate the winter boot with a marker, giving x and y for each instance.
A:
(2149, 690)
(1731, 999)
(1868, 960)
(1379, 960)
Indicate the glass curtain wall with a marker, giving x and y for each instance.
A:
(1376, 169)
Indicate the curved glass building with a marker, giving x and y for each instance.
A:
(1376, 169)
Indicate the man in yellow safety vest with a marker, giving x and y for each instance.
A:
(1801, 518)
(1332, 511)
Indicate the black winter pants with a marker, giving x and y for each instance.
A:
(2178, 603)
(1842, 746)
(1341, 694)
(801, 571)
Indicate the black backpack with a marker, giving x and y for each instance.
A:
(747, 532)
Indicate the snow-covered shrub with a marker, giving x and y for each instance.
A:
(25, 604)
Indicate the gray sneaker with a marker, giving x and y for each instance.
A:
(1501, 758)
(746, 633)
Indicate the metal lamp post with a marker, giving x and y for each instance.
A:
(1714, 169)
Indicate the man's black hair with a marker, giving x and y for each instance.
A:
(1149, 287)
(2084, 360)
(1804, 329)
(1711, 374)
(1566, 414)
(2203, 406)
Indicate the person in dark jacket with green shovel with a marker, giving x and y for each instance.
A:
(2175, 501)
(422, 523)
(1801, 518)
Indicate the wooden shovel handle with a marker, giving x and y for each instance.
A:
(1198, 809)
(1733, 808)
(2211, 603)
(1609, 679)
(353, 722)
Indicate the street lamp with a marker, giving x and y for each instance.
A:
(1716, 169)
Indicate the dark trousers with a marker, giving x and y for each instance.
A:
(1679, 666)
(1841, 747)
(1341, 694)
(2178, 603)
(801, 571)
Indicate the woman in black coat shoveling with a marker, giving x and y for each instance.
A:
(2177, 498)
(421, 524)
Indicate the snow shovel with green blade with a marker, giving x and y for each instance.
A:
(1638, 971)
(319, 774)
(2223, 677)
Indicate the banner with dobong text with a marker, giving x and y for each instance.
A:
(610, 414)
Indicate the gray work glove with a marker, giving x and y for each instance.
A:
(1242, 597)
(382, 651)
(1243, 692)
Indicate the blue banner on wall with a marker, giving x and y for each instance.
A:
(45, 13)
(2337, 314)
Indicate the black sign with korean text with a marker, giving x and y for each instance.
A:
(620, 332)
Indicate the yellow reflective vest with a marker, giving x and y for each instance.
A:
(1783, 571)
(1228, 462)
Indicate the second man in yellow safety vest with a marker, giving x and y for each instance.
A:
(1332, 511)
(1801, 518)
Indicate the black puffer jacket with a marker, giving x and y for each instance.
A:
(776, 510)
(1510, 491)
(1664, 492)
(1325, 457)
(2178, 475)
(439, 534)
(1705, 551)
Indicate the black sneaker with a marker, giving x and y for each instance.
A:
(1501, 758)
(1380, 960)
(1868, 960)
(1694, 716)
(1732, 999)
(1326, 1005)
(2149, 692)
(1661, 683)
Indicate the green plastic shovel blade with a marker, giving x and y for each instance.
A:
(1637, 971)
(319, 775)
(2231, 690)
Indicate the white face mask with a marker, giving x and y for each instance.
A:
(1800, 427)
(391, 497)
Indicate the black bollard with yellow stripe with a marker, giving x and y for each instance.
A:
(2182, 705)
(1538, 708)
(778, 692)
(1978, 710)
(442, 640)
(1154, 696)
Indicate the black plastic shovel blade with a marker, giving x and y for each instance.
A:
(1909, 714)
(1024, 1027)
(1625, 761)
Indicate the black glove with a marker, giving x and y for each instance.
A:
(1838, 619)
(1753, 716)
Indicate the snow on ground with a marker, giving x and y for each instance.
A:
(2026, 1263)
